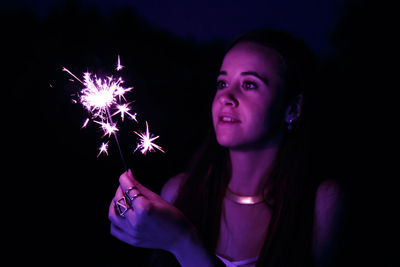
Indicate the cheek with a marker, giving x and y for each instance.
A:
(259, 108)
(263, 116)
(273, 117)
(259, 119)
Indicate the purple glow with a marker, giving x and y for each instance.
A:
(124, 109)
(99, 96)
(103, 149)
(146, 142)
(119, 66)
(107, 127)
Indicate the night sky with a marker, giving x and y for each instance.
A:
(59, 191)
(207, 21)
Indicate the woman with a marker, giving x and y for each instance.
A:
(248, 198)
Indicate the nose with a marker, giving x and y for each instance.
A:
(229, 99)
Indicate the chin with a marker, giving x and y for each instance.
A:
(237, 144)
(225, 142)
(231, 143)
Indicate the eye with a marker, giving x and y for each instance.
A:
(247, 85)
(221, 84)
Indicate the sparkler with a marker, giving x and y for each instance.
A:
(119, 66)
(103, 149)
(146, 142)
(102, 95)
(123, 109)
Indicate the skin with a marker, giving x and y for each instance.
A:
(250, 91)
(248, 117)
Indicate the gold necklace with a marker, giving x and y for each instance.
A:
(244, 200)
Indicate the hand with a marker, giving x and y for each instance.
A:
(150, 221)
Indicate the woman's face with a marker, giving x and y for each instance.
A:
(248, 108)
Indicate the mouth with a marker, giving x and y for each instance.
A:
(227, 119)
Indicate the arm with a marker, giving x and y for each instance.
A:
(191, 252)
(170, 190)
(328, 208)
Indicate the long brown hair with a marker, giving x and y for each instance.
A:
(292, 187)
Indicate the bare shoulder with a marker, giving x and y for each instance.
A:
(327, 213)
(169, 191)
(328, 196)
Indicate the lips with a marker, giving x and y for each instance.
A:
(226, 118)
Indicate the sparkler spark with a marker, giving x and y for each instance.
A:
(124, 109)
(99, 96)
(103, 149)
(107, 128)
(66, 70)
(146, 142)
(85, 123)
(119, 66)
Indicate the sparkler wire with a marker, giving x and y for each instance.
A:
(97, 97)
(117, 142)
(110, 119)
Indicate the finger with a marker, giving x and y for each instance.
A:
(127, 181)
(113, 216)
(128, 220)
(119, 208)
(131, 194)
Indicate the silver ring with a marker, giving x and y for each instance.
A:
(135, 196)
(121, 206)
(131, 198)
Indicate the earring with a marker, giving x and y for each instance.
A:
(290, 125)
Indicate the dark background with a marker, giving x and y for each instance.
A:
(58, 198)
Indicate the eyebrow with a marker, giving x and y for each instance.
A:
(251, 73)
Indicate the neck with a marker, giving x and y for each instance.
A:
(251, 169)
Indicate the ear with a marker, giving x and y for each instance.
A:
(293, 111)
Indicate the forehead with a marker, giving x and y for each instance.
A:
(249, 56)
